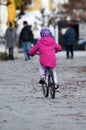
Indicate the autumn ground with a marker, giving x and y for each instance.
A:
(23, 106)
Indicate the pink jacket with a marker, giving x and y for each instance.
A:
(47, 47)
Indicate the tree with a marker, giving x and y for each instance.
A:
(21, 5)
(76, 9)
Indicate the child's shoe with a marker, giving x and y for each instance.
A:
(57, 88)
(42, 81)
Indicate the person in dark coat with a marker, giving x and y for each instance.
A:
(70, 37)
(26, 38)
(11, 40)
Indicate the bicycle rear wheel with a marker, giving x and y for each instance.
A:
(51, 84)
(45, 89)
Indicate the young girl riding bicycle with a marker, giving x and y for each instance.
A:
(47, 47)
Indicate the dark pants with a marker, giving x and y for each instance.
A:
(69, 50)
(26, 48)
(35, 41)
(11, 57)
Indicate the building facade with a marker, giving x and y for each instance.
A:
(47, 4)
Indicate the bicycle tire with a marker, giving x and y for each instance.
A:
(45, 89)
(51, 84)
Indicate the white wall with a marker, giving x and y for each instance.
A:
(45, 4)
(60, 1)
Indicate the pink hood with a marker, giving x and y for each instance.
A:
(47, 47)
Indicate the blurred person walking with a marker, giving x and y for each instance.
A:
(26, 38)
(36, 33)
(51, 25)
(69, 37)
(11, 40)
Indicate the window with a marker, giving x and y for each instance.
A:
(30, 3)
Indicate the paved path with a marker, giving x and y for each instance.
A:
(23, 106)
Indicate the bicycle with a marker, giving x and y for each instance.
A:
(49, 83)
